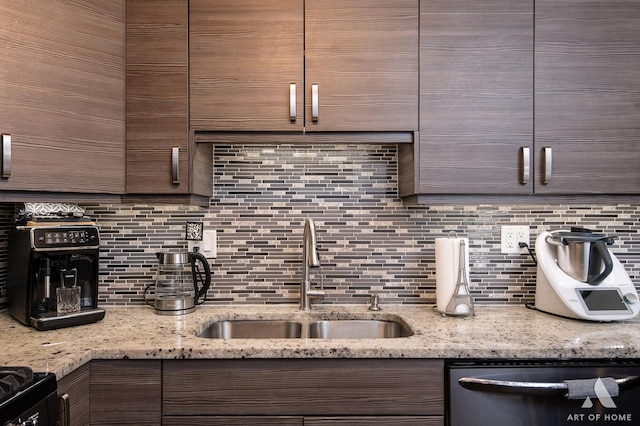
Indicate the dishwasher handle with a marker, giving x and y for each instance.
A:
(531, 388)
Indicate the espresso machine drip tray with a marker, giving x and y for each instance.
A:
(50, 321)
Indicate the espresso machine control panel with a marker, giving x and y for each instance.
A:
(64, 238)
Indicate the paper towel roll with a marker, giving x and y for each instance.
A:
(447, 266)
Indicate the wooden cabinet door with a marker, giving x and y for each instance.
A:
(337, 387)
(363, 57)
(62, 95)
(244, 57)
(232, 421)
(157, 96)
(299, 421)
(476, 97)
(375, 421)
(587, 92)
(76, 386)
(126, 392)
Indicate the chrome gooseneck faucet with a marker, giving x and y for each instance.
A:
(309, 260)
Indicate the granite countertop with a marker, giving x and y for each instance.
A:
(506, 332)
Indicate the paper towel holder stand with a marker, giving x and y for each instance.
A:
(461, 302)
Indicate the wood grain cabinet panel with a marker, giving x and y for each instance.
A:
(300, 421)
(63, 87)
(363, 57)
(361, 54)
(303, 387)
(587, 96)
(374, 421)
(76, 386)
(157, 95)
(158, 104)
(476, 97)
(244, 54)
(233, 421)
(126, 392)
(507, 112)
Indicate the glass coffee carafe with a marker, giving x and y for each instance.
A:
(182, 281)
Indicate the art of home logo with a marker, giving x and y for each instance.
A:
(603, 395)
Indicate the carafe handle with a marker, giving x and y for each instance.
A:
(595, 276)
(196, 258)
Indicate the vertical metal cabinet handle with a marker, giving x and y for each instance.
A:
(175, 159)
(525, 152)
(65, 410)
(6, 155)
(314, 102)
(548, 163)
(293, 113)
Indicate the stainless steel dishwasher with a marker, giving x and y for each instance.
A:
(541, 393)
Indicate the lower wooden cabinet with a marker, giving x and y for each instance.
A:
(260, 392)
(307, 391)
(375, 421)
(302, 421)
(232, 421)
(126, 392)
(76, 387)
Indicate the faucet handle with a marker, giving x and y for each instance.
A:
(317, 294)
(374, 302)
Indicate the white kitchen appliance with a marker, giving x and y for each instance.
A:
(578, 277)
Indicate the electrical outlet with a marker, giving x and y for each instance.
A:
(512, 236)
(193, 245)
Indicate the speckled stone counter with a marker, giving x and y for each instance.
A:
(494, 332)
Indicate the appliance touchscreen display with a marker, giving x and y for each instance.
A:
(603, 300)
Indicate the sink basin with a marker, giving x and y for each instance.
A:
(357, 329)
(320, 329)
(252, 329)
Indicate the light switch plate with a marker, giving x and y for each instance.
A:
(209, 246)
(512, 236)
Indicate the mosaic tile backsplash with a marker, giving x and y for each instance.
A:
(368, 240)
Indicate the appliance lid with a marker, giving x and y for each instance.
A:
(580, 235)
(168, 258)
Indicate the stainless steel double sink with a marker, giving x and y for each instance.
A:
(313, 329)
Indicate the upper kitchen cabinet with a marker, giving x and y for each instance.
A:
(292, 65)
(476, 100)
(504, 112)
(361, 65)
(246, 64)
(587, 97)
(162, 158)
(62, 89)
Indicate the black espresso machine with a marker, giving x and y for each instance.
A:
(53, 275)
